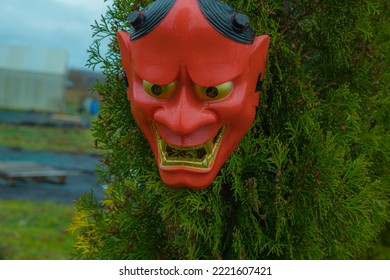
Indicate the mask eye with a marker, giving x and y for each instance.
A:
(159, 91)
(214, 93)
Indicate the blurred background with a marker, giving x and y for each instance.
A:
(47, 156)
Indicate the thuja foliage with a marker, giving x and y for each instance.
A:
(308, 181)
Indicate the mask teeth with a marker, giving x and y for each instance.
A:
(210, 147)
(205, 163)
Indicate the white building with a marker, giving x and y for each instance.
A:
(32, 78)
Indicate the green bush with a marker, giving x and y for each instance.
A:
(307, 182)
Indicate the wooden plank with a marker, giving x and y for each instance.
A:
(13, 164)
(66, 118)
(23, 165)
(35, 173)
(12, 170)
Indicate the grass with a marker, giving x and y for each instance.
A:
(47, 138)
(35, 230)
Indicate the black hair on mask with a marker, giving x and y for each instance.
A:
(220, 15)
(227, 21)
(146, 20)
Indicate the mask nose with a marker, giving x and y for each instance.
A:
(184, 114)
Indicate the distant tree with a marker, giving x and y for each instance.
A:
(310, 179)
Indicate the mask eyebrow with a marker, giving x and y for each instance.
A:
(158, 82)
(154, 75)
(209, 76)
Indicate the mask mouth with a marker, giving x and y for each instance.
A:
(199, 157)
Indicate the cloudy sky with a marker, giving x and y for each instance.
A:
(60, 24)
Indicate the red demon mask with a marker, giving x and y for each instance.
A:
(194, 68)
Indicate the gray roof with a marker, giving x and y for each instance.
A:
(33, 59)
